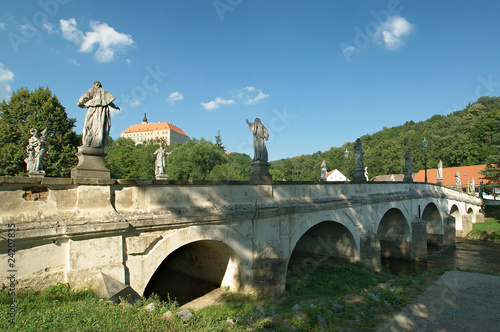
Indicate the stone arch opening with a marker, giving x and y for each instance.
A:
(195, 269)
(394, 234)
(434, 222)
(323, 243)
(455, 213)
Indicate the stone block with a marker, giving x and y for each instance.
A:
(418, 239)
(90, 164)
(370, 251)
(260, 173)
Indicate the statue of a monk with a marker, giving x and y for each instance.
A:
(260, 135)
(98, 119)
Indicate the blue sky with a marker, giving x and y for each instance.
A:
(317, 73)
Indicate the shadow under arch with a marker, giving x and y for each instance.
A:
(455, 213)
(193, 270)
(434, 222)
(394, 234)
(321, 243)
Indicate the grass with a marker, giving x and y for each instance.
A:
(367, 298)
(490, 229)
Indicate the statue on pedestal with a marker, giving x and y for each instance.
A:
(408, 167)
(36, 151)
(323, 171)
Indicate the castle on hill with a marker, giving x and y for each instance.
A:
(141, 133)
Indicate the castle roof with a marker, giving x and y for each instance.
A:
(137, 128)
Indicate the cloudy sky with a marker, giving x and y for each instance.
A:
(317, 73)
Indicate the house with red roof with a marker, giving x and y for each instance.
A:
(140, 133)
(466, 174)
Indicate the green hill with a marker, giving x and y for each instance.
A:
(462, 138)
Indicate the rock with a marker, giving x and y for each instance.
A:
(231, 321)
(125, 305)
(301, 315)
(150, 307)
(353, 298)
(338, 307)
(374, 297)
(273, 310)
(416, 281)
(277, 319)
(185, 315)
(261, 311)
(296, 307)
(322, 322)
(387, 304)
(167, 315)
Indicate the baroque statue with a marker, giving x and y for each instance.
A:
(260, 135)
(36, 150)
(358, 155)
(160, 164)
(98, 118)
(323, 171)
(408, 162)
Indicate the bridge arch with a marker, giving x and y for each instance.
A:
(394, 233)
(209, 252)
(434, 221)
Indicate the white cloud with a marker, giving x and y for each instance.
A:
(73, 62)
(128, 61)
(251, 95)
(106, 40)
(49, 27)
(175, 96)
(3, 26)
(256, 99)
(392, 31)
(6, 76)
(214, 104)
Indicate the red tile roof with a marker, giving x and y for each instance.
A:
(154, 126)
(449, 175)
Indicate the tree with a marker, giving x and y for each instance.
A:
(194, 160)
(38, 109)
(492, 171)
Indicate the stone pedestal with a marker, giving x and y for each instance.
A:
(90, 164)
(260, 172)
(161, 177)
(407, 177)
(36, 174)
(449, 236)
(418, 239)
(439, 182)
(359, 176)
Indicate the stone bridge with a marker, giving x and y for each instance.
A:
(145, 233)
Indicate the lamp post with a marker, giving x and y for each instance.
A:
(424, 144)
(346, 155)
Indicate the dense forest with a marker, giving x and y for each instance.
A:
(462, 138)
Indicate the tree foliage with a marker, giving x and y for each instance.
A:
(38, 109)
(462, 138)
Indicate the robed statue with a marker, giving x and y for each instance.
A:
(36, 150)
(260, 135)
(160, 164)
(98, 118)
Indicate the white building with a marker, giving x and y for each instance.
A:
(335, 175)
(146, 131)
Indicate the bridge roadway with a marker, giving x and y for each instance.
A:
(237, 234)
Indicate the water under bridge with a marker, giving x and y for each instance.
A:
(237, 234)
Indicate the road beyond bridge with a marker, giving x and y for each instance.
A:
(236, 234)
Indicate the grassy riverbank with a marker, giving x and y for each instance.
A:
(333, 296)
(490, 229)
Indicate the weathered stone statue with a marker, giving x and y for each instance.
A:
(260, 135)
(408, 167)
(472, 187)
(160, 164)
(36, 152)
(260, 166)
(98, 119)
(359, 169)
(366, 174)
(95, 133)
(458, 182)
(439, 177)
(323, 171)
